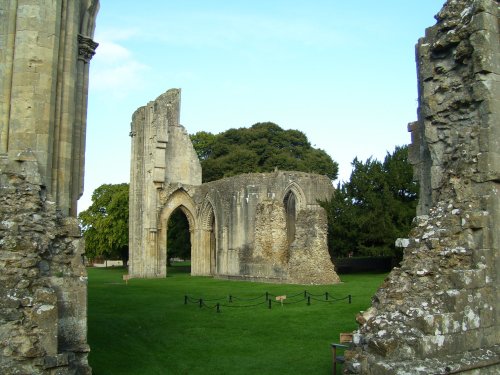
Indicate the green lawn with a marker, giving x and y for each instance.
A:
(145, 327)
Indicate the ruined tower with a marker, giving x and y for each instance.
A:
(439, 313)
(45, 49)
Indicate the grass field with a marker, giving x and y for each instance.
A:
(145, 327)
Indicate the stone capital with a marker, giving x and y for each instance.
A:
(86, 48)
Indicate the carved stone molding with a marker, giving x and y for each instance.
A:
(86, 48)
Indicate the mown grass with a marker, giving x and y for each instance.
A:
(145, 327)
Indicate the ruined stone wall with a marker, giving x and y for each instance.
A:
(251, 219)
(43, 284)
(240, 226)
(439, 312)
(46, 47)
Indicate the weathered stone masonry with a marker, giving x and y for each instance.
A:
(263, 226)
(439, 313)
(45, 49)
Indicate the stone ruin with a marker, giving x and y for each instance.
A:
(260, 226)
(436, 314)
(46, 48)
(439, 312)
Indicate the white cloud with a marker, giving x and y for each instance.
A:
(119, 78)
(112, 53)
(114, 69)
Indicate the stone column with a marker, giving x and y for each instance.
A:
(44, 86)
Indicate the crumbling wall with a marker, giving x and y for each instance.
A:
(439, 312)
(309, 259)
(43, 291)
(252, 241)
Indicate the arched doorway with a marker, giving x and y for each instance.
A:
(178, 206)
(178, 238)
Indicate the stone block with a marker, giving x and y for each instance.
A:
(483, 41)
(468, 279)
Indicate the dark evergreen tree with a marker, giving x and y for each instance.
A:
(373, 208)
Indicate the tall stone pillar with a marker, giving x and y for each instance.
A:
(162, 158)
(439, 313)
(46, 47)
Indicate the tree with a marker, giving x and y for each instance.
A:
(260, 148)
(105, 223)
(376, 206)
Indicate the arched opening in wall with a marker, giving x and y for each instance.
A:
(179, 241)
(290, 203)
(213, 245)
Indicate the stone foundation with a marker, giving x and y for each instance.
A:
(43, 283)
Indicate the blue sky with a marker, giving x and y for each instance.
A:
(343, 72)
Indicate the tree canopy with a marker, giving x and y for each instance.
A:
(260, 148)
(375, 207)
(105, 223)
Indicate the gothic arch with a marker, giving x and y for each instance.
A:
(300, 197)
(208, 233)
(293, 201)
(179, 199)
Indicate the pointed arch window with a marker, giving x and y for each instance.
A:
(290, 203)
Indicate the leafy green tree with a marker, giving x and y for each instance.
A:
(376, 206)
(260, 148)
(105, 223)
(203, 144)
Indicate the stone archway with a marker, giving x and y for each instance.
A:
(208, 238)
(177, 200)
(293, 202)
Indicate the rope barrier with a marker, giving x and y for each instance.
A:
(283, 300)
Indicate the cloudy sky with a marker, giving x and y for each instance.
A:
(343, 72)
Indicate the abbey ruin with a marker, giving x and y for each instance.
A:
(261, 226)
(45, 47)
(439, 313)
